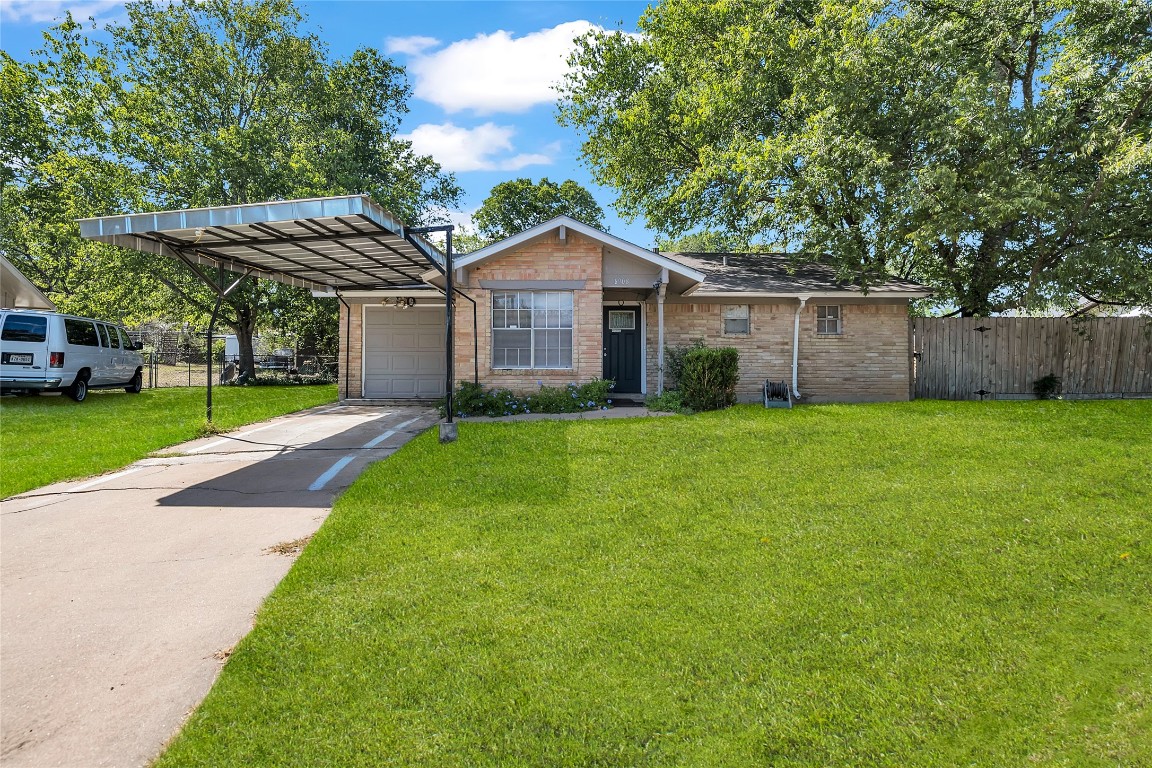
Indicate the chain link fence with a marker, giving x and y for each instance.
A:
(180, 359)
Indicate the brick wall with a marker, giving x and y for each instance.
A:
(869, 361)
(545, 259)
(350, 359)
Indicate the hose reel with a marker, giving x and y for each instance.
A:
(777, 394)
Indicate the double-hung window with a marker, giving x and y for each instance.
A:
(737, 320)
(531, 329)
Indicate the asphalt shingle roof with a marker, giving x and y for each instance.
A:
(775, 273)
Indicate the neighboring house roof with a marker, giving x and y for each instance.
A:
(567, 222)
(18, 290)
(776, 274)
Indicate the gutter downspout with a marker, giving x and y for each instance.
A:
(347, 342)
(796, 347)
(475, 336)
(662, 291)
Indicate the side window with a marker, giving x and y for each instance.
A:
(81, 332)
(736, 320)
(24, 328)
(104, 342)
(113, 337)
(828, 319)
(125, 342)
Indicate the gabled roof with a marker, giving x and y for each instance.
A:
(778, 275)
(581, 228)
(20, 290)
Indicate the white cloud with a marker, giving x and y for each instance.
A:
(497, 72)
(462, 219)
(44, 11)
(486, 147)
(412, 46)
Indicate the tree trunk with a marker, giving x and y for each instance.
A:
(244, 327)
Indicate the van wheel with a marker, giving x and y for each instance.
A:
(79, 389)
(136, 384)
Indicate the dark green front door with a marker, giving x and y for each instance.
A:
(622, 347)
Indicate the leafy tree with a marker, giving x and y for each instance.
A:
(514, 206)
(997, 150)
(465, 239)
(213, 103)
(44, 187)
(708, 241)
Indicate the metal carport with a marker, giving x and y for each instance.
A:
(330, 244)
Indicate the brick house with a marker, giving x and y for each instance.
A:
(566, 302)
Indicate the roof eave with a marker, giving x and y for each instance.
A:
(28, 296)
(707, 294)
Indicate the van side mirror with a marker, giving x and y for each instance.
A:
(138, 346)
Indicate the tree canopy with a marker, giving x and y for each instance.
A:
(192, 104)
(709, 241)
(997, 150)
(517, 205)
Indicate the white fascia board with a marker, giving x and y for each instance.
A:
(810, 294)
(383, 293)
(576, 226)
(28, 296)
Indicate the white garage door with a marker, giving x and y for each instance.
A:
(403, 352)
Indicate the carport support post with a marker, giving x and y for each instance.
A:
(448, 426)
(221, 294)
(211, 327)
(448, 429)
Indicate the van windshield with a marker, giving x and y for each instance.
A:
(21, 328)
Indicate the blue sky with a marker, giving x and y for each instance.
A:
(480, 69)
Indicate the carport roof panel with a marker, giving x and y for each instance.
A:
(345, 242)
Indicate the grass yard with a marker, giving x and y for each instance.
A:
(920, 584)
(47, 439)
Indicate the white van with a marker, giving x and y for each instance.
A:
(43, 351)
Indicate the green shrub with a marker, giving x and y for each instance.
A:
(669, 402)
(708, 379)
(674, 361)
(471, 399)
(573, 398)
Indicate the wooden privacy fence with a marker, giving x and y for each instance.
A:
(1002, 357)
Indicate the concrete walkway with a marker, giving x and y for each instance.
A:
(121, 594)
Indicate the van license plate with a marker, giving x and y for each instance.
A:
(16, 358)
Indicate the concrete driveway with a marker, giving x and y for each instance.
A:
(120, 595)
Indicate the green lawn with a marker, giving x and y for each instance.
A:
(47, 439)
(921, 584)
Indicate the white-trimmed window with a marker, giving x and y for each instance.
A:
(736, 320)
(828, 319)
(531, 329)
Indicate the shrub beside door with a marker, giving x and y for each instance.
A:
(708, 378)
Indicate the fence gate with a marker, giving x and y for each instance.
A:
(966, 358)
